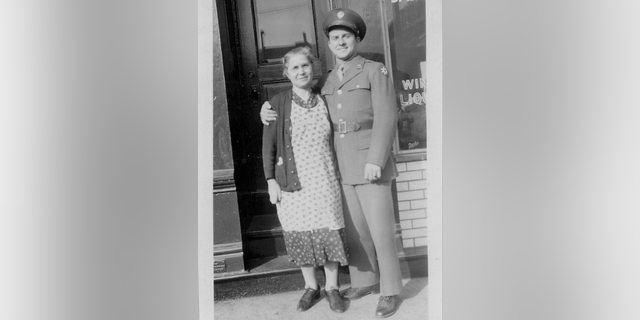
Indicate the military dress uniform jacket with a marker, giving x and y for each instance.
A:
(278, 158)
(365, 91)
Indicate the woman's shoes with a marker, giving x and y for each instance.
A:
(336, 303)
(307, 299)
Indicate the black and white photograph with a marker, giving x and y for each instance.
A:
(321, 158)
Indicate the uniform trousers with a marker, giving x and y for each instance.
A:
(370, 228)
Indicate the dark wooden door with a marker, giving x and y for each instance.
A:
(266, 30)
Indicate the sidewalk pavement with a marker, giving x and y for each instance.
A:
(282, 306)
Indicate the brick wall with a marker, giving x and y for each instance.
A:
(412, 202)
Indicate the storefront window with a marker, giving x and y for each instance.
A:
(372, 47)
(407, 40)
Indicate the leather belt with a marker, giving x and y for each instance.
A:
(346, 127)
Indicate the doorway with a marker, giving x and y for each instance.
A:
(261, 32)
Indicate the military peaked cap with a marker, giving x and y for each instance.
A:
(344, 18)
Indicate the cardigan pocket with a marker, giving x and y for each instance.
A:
(281, 178)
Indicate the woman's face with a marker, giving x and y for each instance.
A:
(300, 71)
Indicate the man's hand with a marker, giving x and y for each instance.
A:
(372, 172)
(275, 194)
(266, 114)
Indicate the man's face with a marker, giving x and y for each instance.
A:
(343, 43)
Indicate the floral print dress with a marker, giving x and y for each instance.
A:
(311, 217)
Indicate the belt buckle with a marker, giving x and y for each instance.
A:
(341, 125)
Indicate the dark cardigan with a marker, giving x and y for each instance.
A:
(277, 154)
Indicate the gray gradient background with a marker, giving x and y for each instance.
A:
(98, 152)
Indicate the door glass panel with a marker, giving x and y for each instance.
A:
(283, 25)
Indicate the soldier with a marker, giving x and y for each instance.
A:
(362, 106)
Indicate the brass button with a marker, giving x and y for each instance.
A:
(358, 86)
(339, 91)
(342, 135)
(295, 183)
(339, 105)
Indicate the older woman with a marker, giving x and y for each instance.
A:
(302, 175)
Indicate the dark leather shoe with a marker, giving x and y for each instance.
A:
(387, 306)
(335, 300)
(357, 293)
(307, 299)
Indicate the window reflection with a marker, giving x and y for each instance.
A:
(283, 25)
(372, 46)
(407, 37)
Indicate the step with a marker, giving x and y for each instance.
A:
(264, 237)
(278, 274)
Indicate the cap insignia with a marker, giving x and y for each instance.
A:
(340, 14)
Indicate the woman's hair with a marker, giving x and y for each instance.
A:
(306, 51)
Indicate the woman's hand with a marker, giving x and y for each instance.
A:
(267, 114)
(275, 194)
(372, 172)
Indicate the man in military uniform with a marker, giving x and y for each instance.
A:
(362, 106)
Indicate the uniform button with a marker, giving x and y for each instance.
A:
(342, 135)
(292, 171)
(289, 159)
(287, 146)
(339, 91)
(340, 120)
(358, 86)
(339, 105)
(295, 183)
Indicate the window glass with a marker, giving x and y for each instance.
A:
(275, 33)
(407, 39)
(372, 46)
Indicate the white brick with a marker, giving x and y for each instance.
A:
(413, 214)
(419, 223)
(418, 184)
(416, 204)
(424, 174)
(410, 195)
(419, 242)
(417, 165)
(404, 205)
(406, 224)
(414, 233)
(401, 167)
(402, 186)
(409, 175)
(407, 243)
